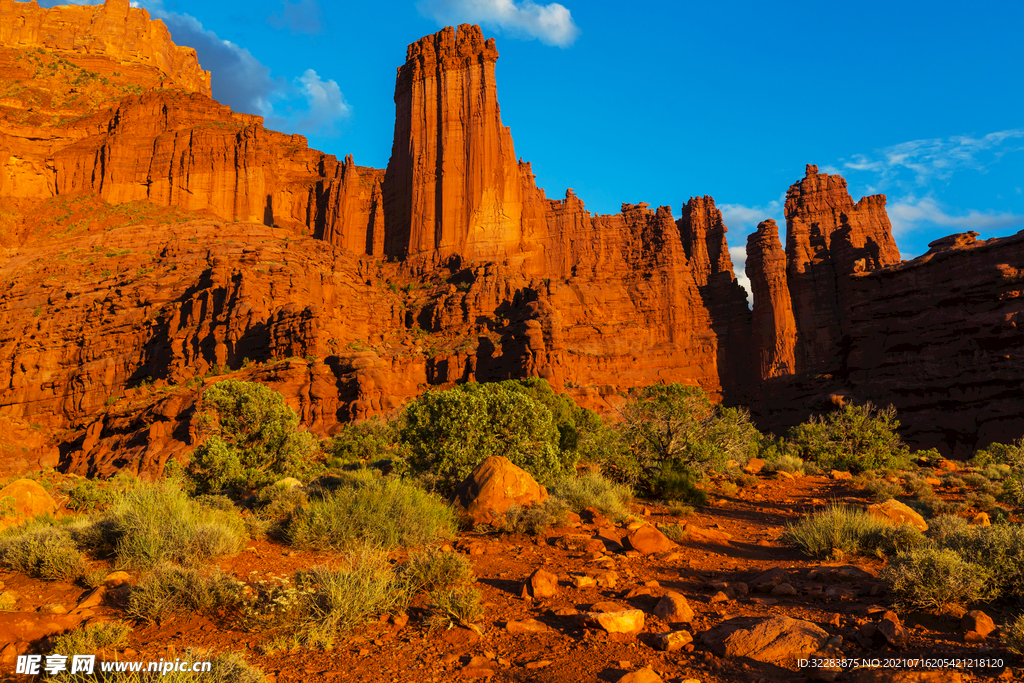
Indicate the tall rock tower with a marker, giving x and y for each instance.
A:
(453, 183)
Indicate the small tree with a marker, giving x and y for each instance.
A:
(853, 438)
(252, 439)
(449, 433)
(679, 425)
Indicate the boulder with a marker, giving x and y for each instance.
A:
(495, 486)
(541, 584)
(776, 640)
(526, 626)
(647, 540)
(897, 513)
(25, 499)
(672, 640)
(764, 583)
(626, 621)
(753, 466)
(981, 519)
(699, 535)
(893, 631)
(674, 609)
(979, 622)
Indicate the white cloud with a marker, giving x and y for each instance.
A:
(325, 103)
(551, 24)
(911, 214)
(938, 158)
(304, 16)
(739, 265)
(744, 219)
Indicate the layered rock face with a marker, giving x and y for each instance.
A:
(453, 183)
(774, 328)
(828, 237)
(110, 37)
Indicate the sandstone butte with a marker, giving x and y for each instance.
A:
(152, 240)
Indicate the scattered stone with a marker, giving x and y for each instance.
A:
(593, 516)
(54, 608)
(566, 612)
(607, 579)
(777, 640)
(835, 574)
(895, 512)
(674, 609)
(93, 598)
(647, 540)
(115, 579)
(493, 487)
(718, 597)
(672, 640)
(698, 535)
(606, 606)
(626, 621)
(526, 626)
(27, 500)
(584, 581)
(753, 466)
(783, 589)
(644, 675)
(838, 474)
(769, 580)
(400, 619)
(981, 519)
(979, 622)
(539, 664)
(540, 585)
(893, 631)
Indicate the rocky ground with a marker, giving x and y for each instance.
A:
(556, 605)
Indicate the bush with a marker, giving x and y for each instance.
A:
(535, 519)
(999, 549)
(96, 494)
(385, 512)
(674, 531)
(849, 530)
(677, 483)
(42, 549)
(936, 580)
(366, 442)
(157, 522)
(170, 589)
(593, 490)
(252, 439)
(678, 424)
(280, 500)
(855, 438)
(1013, 635)
(435, 570)
(450, 432)
(88, 640)
(882, 490)
(460, 606)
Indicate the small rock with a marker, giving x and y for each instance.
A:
(718, 597)
(753, 466)
(115, 579)
(644, 675)
(893, 631)
(769, 580)
(541, 584)
(981, 519)
(783, 589)
(526, 626)
(606, 606)
(607, 579)
(93, 598)
(672, 640)
(539, 664)
(674, 609)
(54, 608)
(979, 622)
(626, 621)
(584, 581)
(400, 619)
(647, 539)
(838, 474)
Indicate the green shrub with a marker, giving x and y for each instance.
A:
(855, 438)
(280, 500)
(460, 606)
(999, 549)
(89, 640)
(170, 589)
(96, 494)
(1013, 635)
(674, 531)
(593, 490)
(849, 530)
(882, 489)
(42, 549)
(675, 482)
(434, 570)
(450, 432)
(251, 439)
(157, 522)
(936, 580)
(366, 442)
(387, 513)
(678, 424)
(535, 519)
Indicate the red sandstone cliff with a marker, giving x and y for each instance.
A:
(774, 329)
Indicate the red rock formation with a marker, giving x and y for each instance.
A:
(774, 329)
(818, 211)
(703, 235)
(453, 184)
(106, 38)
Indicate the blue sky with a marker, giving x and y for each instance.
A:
(659, 101)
